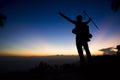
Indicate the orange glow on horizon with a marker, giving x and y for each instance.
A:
(27, 54)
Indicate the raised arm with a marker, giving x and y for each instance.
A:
(67, 18)
(88, 21)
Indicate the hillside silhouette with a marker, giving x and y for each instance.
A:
(101, 67)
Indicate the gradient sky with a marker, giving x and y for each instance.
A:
(34, 28)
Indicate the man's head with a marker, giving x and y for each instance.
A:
(79, 18)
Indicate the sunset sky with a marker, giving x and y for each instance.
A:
(34, 27)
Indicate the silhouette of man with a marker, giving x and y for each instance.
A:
(83, 35)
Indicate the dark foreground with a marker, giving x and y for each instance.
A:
(101, 67)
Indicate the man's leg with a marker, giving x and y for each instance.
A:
(80, 52)
(87, 51)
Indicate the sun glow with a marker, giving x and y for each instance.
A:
(42, 47)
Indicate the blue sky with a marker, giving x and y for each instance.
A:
(34, 28)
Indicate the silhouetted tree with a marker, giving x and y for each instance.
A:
(2, 15)
(118, 49)
(115, 5)
(2, 18)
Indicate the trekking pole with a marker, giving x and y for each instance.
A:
(91, 20)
